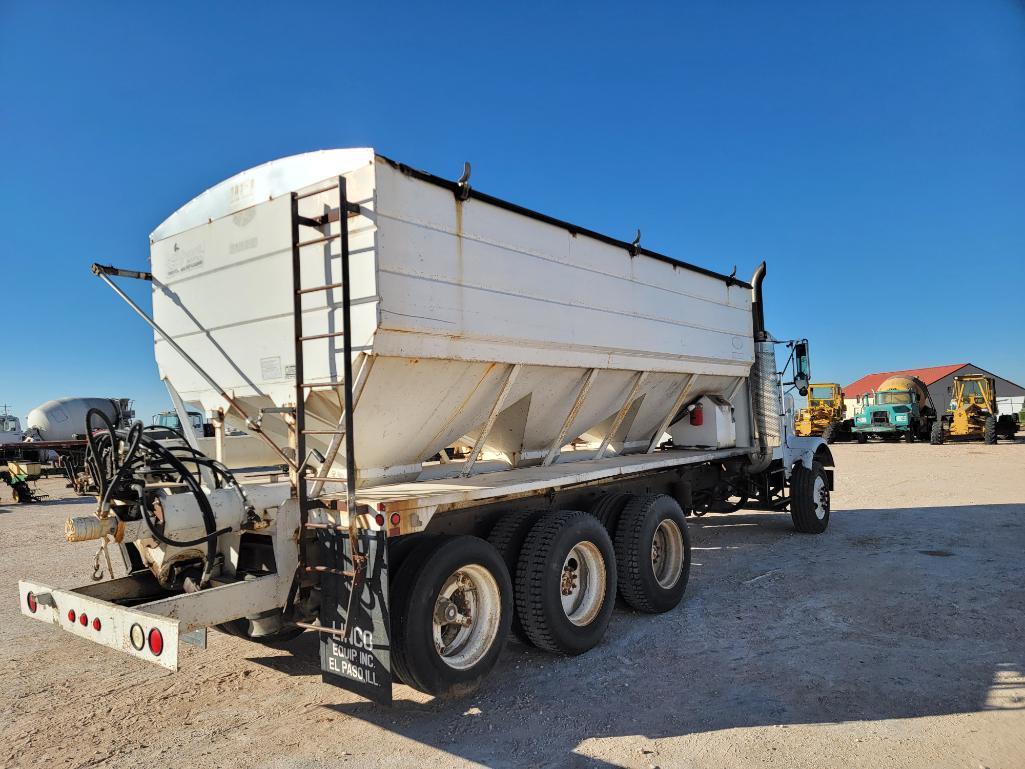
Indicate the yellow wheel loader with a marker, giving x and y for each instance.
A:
(973, 413)
(825, 415)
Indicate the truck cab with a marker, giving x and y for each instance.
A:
(10, 429)
(888, 414)
(170, 420)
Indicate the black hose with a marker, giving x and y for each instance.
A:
(110, 470)
(93, 447)
(153, 527)
(209, 521)
(134, 436)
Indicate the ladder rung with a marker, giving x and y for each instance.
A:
(329, 570)
(327, 478)
(322, 384)
(315, 241)
(325, 287)
(329, 218)
(323, 432)
(321, 628)
(321, 336)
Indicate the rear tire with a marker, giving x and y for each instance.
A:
(809, 498)
(862, 438)
(652, 553)
(608, 508)
(989, 430)
(829, 434)
(566, 582)
(451, 617)
(909, 436)
(936, 433)
(507, 538)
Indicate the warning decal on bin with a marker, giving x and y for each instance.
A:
(360, 663)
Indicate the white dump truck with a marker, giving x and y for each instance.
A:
(492, 421)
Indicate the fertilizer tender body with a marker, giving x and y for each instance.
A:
(491, 421)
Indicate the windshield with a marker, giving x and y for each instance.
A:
(973, 391)
(170, 420)
(820, 394)
(891, 397)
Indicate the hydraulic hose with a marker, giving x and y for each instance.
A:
(111, 468)
(94, 454)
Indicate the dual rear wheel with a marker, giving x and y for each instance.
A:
(551, 577)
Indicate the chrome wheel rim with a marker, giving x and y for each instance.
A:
(467, 613)
(820, 496)
(582, 583)
(667, 553)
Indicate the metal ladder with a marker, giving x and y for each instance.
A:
(329, 537)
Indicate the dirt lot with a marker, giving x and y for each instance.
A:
(896, 639)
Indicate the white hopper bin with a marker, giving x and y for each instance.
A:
(464, 313)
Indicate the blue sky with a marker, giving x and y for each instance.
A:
(872, 152)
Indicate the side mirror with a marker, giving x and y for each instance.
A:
(802, 367)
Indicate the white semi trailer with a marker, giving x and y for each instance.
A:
(491, 419)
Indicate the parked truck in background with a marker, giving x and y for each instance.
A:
(901, 409)
(361, 318)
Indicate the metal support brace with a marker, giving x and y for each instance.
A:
(677, 405)
(102, 272)
(503, 393)
(339, 434)
(205, 473)
(621, 415)
(733, 390)
(556, 448)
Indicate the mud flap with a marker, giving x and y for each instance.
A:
(361, 663)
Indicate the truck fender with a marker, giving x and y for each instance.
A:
(824, 456)
(813, 449)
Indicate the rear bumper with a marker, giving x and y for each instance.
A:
(115, 622)
(179, 618)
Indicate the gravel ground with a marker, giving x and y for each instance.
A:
(895, 639)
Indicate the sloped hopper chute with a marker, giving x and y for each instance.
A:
(470, 318)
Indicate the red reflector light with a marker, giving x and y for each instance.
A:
(83, 620)
(379, 518)
(156, 641)
(30, 599)
(96, 623)
(71, 615)
(395, 519)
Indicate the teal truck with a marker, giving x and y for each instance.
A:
(900, 409)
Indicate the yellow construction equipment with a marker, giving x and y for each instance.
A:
(825, 415)
(973, 413)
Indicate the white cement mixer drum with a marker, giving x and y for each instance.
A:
(64, 418)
